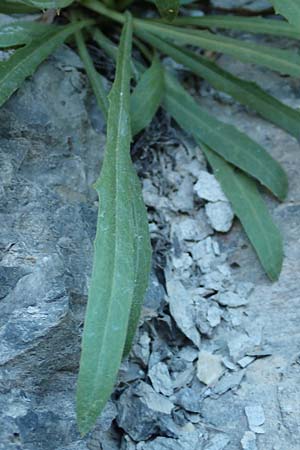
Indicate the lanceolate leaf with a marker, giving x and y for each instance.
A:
(250, 208)
(95, 78)
(121, 236)
(147, 97)
(25, 61)
(241, 23)
(284, 61)
(20, 33)
(110, 48)
(15, 7)
(289, 9)
(142, 259)
(226, 140)
(245, 92)
(168, 8)
(48, 4)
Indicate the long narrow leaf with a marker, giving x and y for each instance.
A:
(250, 208)
(168, 8)
(94, 77)
(226, 140)
(257, 25)
(147, 97)
(111, 49)
(121, 236)
(48, 4)
(14, 7)
(142, 252)
(245, 92)
(283, 61)
(25, 61)
(20, 32)
(289, 9)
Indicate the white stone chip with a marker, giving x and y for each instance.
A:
(183, 199)
(183, 310)
(256, 417)
(244, 362)
(248, 441)
(231, 299)
(160, 379)
(214, 314)
(220, 215)
(208, 188)
(209, 367)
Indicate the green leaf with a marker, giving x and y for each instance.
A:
(245, 92)
(121, 239)
(25, 61)
(95, 78)
(142, 260)
(284, 61)
(251, 210)
(234, 146)
(15, 7)
(48, 4)
(168, 8)
(110, 48)
(289, 9)
(21, 32)
(147, 97)
(250, 24)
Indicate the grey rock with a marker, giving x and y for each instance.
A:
(190, 398)
(218, 442)
(160, 379)
(183, 198)
(190, 439)
(256, 417)
(50, 155)
(244, 362)
(183, 310)
(248, 441)
(209, 367)
(231, 299)
(220, 215)
(189, 229)
(228, 381)
(208, 188)
(143, 412)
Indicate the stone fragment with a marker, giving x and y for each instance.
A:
(228, 382)
(244, 362)
(208, 188)
(214, 314)
(152, 409)
(220, 215)
(187, 441)
(183, 198)
(248, 441)
(189, 229)
(183, 310)
(160, 379)
(218, 442)
(141, 349)
(256, 417)
(231, 299)
(209, 367)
